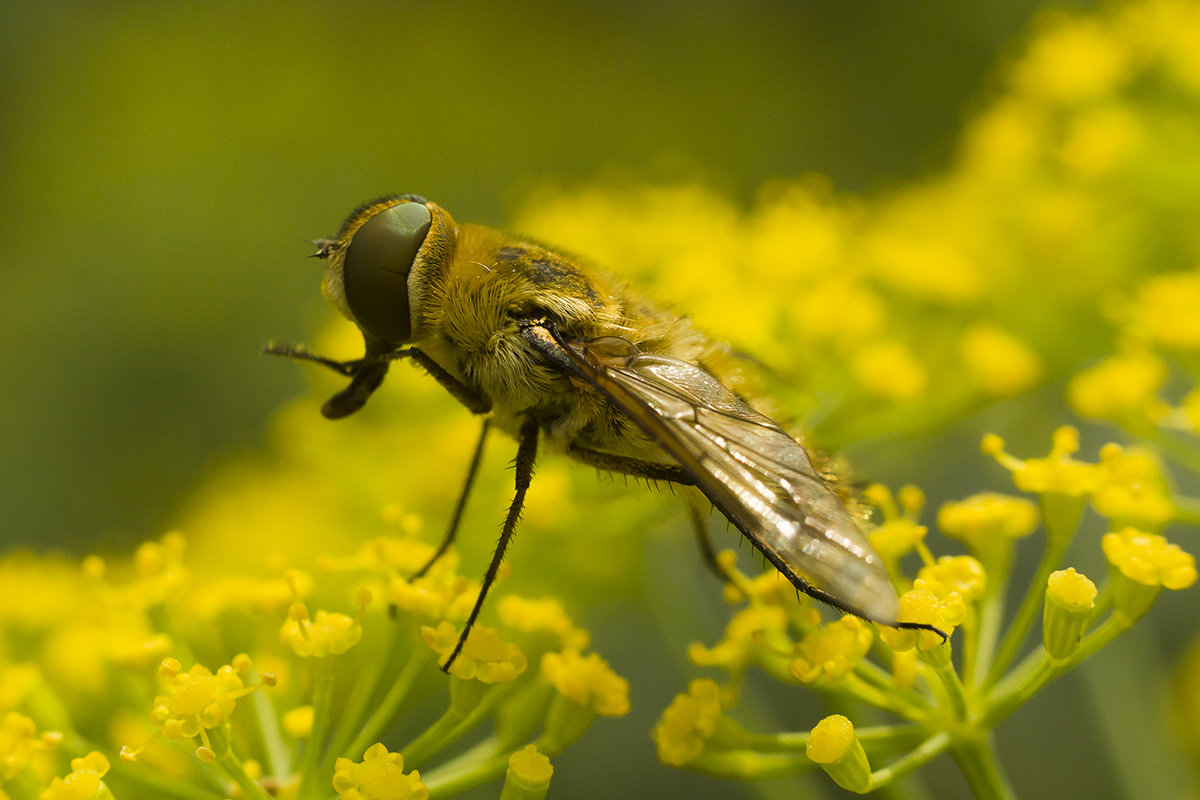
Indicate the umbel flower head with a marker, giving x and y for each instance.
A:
(338, 682)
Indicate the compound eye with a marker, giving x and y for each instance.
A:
(375, 271)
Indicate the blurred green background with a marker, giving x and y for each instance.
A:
(165, 164)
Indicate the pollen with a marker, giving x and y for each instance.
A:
(688, 723)
(379, 776)
(925, 607)
(485, 657)
(1149, 559)
(198, 701)
(953, 575)
(327, 633)
(899, 533)
(588, 680)
(828, 652)
(748, 631)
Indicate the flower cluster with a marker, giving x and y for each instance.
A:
(1049, 241)
(337, 683)
(911, 674)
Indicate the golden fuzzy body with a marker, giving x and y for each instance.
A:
(468, 297)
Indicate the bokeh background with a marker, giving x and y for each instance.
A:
(165, 164)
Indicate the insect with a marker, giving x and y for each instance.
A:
(542, 347)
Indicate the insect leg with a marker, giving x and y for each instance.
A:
(649, 470)
(527, 439)
(700, 527)
(452, 530)
(475, 401)
(365, 374)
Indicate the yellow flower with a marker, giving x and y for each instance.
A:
(1149, 559)
(1057, 473)
(1074, 60)
(547, 614)
(833, 745)
(1164, 311)
(485, 657)
(1120, 388)
(1101, 140)
(889, 369)
(988, 522)
(827, 652)
(588, 680)
(923, 606)
(899, 533)
(379, 776)
(530, 771)
(688, 723)
(83, 783)
(953, 575)
(20, 742)
(298, 721)
(328, 633)
(997, 361)
(1070, 601)
(1132, 489)
(197, 702)
(749, 630)
(438, 596)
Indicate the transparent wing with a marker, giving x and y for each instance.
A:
(757, 475)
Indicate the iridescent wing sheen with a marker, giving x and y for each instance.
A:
(755, 474)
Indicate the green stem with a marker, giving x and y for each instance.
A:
(355, 709)
(955, 691)
(1037, 670)
(1014, 637)
(1185, 454)
(1187, 509)
(433, 738)
(747, 765)
(233, 768)
(279, 755)
(991, 620)
(478, 765)
(389, 707)
(917, 757)
(894, 736)
(887, 701)
(322, 700)
(977, 760)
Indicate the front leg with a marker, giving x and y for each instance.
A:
(367, 373)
